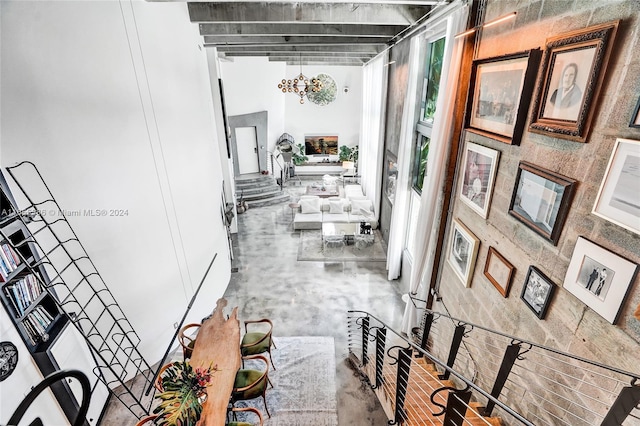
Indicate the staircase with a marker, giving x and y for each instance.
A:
(259, 190)
(454, 373)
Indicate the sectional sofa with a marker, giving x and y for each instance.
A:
(352, 207)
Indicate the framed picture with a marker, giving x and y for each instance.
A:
(537, 291)
(499, 271)
(572, 70)
(500, 95)
(541, 200)
(480, 167)
(463, 250)
(599, 278)
(320, 145)
(618, 199)
(392, 176)
(635, 118)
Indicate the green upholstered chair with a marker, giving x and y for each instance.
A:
(250, 383)
(249, 409)
(259, 340)
(187, 338)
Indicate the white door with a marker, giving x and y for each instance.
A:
(247, 144)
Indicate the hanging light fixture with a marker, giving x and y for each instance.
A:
(300, 85)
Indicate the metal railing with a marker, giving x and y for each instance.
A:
(456, 373)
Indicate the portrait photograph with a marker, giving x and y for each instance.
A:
(537, 291)
(541, 200)
(569, 77)
(500, 94)
(572, 70)
(463, 250)
(599, 278)
(478, 177)
(618, 198)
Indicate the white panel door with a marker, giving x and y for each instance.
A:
(247, 144)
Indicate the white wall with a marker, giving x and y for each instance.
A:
(116, 112)
(251, 86)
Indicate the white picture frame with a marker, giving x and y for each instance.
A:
(462, 252)
(618, 199)
(479, 168)
(599, 278)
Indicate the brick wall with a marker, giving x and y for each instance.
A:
(569, 324)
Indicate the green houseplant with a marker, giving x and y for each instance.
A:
(298, 156)
(182, 394)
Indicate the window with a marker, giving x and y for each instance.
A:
(434, 54)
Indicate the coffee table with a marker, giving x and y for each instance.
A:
(347, 230)
(328, 191)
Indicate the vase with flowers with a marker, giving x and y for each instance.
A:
(183, 390)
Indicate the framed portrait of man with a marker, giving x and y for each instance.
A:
(573, 67)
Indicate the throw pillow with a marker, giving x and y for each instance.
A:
(310, 205)
(336, 206)
(358, 205)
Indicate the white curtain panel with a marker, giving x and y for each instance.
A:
(400, 212)
(374, 101)
(432, 189)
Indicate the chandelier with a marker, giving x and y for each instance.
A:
(300, 85)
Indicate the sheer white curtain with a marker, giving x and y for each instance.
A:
(398, 227)
(431, 199)
(374, 101)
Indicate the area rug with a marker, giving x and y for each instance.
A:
(304, 390)
(310, 248)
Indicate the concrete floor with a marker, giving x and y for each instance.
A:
(306, 299)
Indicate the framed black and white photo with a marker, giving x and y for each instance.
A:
(541, 200)
(635, 118)
(499, 271)
(480, 166)
(537, 291)
(500, 95)
(572, 71)
(463, 251)
(618, 199)
(599, 278)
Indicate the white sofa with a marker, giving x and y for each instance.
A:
(353, 207)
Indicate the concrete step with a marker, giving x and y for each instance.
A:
(278, 199)
(248, 192)
(263, 194)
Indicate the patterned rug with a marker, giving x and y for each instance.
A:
(304, 390)
(310, 248)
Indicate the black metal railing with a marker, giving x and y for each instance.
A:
(495, 379)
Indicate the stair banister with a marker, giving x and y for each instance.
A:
(451, 371)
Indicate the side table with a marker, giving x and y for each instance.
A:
(293, 207)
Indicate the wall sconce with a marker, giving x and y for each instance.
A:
(488, 24)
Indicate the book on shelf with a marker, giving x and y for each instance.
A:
(23, 292)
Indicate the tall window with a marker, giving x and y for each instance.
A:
(430, 89)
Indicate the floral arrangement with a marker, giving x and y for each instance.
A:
(184, 388)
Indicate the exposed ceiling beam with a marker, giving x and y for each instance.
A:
(360, 48)
(306, 55)
(371, 13)
(300, 29)
(286, 40)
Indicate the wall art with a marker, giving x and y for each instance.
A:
(573, 67)
(500, 95)
(599, 278)
(618, 199)
(392, 176)
(635, 118)
(463, 250)
(541, 200)
(499, 271)
(537, 291)
(480, 165)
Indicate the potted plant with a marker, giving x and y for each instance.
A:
(183, 390)
(298, 157)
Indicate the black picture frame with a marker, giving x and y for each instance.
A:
(572, 71)
(541, 200)
(537, 291)
(500, 95)
(635, 118)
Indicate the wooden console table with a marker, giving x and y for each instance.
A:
(218, 343)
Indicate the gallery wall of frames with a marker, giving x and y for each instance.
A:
(543, 240)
